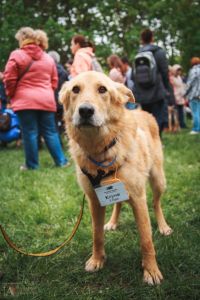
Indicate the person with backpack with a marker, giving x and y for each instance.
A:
(30, 78)
(84, 57)
(151, 80)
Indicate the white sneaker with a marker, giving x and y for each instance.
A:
(23, 168)
(68, 164)
(194, 132)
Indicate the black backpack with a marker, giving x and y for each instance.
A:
(145, 69)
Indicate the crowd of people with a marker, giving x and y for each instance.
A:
(33, 77)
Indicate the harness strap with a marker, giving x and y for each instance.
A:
(95, 180)
(51, 252)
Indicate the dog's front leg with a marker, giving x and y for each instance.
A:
(152, 274)
(97, 259)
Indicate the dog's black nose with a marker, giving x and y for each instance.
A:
(86, 111)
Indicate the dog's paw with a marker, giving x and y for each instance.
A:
(94, 265)
(153, 276)
(110, 226)
(165, 230)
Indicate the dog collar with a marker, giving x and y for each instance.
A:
(101, 163)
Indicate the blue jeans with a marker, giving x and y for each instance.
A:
(34, 123)
(195, 107)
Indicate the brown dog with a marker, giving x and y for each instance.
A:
(108, 142)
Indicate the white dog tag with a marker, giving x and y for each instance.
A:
(112, 193)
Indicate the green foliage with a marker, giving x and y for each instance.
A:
(115, 26)
(39, 209)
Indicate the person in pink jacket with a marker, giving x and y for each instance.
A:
(30, 78)
(116, 68)
(179, 92)
(83, 55)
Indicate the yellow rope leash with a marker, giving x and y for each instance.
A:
(51, 252)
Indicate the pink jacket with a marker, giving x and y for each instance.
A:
(35, 90)
(82, 61)
(116, 75)
(179, 89)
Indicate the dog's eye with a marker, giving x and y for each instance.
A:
(76, 89)
(102, 89)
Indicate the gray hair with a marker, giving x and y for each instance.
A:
(55, 55)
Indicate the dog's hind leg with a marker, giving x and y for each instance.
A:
(113, 222)
(158, 183)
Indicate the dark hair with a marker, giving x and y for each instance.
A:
(125, 60)
(70, 61)
(114, 61)
(146, 36)
(81, 40)
(91, 44)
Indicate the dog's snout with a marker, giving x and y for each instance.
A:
(86, 111)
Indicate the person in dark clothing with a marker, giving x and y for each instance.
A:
(3, 98)
(62, 78)
(128, 72)
(153, 99)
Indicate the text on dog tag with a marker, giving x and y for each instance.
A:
(112, 193)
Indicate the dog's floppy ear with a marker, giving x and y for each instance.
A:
(64, 95)
(123, 94)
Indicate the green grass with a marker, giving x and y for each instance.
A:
(39, 208)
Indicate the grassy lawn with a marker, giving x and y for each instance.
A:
(39, 208)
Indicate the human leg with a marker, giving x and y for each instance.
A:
(158, 110)
(198, 110)
(50, 134)
(195, 107)
(180, 110)
(29, 126)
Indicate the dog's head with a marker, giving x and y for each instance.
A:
(92, 99)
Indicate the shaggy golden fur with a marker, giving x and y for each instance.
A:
(95, 114)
